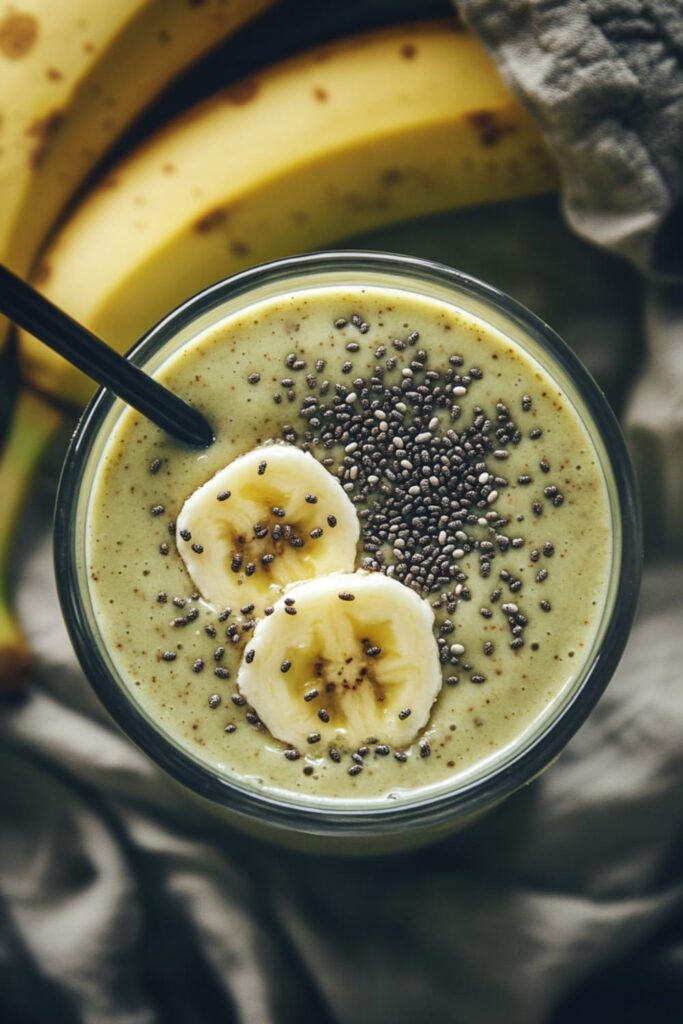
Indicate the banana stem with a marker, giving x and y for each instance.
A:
(33, 425)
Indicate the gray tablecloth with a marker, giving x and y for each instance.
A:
(122, 902)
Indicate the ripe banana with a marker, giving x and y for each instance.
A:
(358, 660)
(271, 517)
(73, 75)
(382, 127)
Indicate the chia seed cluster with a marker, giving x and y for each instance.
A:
(426, 478)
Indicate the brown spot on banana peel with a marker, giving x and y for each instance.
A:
(356, 202)
(392, 176)
(242, 92)
(321, 95)
(43, 130)
(490, 127)
(408, 51)
(18, 33)
(238, 248)
(211, 220)
(54, 75)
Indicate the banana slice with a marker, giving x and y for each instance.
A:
(271, 517)
(341, 659)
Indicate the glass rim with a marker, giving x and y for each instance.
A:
(437, 808)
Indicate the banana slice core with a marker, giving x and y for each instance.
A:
(342, 659)
(271, 517)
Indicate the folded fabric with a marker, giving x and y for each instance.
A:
(604, 78)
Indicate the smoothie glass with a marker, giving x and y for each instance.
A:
(348, 825)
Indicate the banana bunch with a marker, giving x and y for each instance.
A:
(378, 128)
(383, 127)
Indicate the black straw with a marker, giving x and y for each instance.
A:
(32, 311)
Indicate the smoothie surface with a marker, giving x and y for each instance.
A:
(517, 598)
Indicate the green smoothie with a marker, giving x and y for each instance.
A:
(476, 487)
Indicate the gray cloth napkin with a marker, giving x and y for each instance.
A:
(123, 903)
(604, 78)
